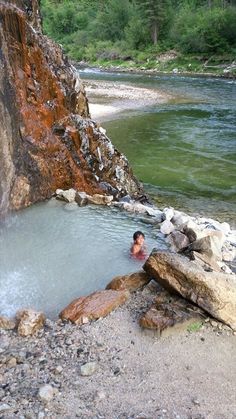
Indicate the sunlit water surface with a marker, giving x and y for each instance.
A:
(50, 255)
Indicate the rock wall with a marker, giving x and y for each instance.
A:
(47, 140)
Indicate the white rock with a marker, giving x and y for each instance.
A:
(67, 195)
(179, 219)
(102, 130)
(169, 213)
(46, 393)
(167, 227)
(4, 408)
(88, 369)
(225, 228)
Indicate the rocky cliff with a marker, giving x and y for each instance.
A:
(47, 140)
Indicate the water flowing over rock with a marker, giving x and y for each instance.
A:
(213, 291)
(47, 139)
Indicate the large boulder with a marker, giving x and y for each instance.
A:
(170, 312)
(213, 291)
(129, 282)
(99, 304)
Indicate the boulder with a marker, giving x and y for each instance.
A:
(7, 324)
(210, 245)
(208, 264)
(98, 199)
(81, 198)
(178, 241)
(68, 195)
(168, 213)
(179, 218)
(99, 304)
(129, 282)
(30, 322)
(167, 227)
(170, 312)
(213, 291)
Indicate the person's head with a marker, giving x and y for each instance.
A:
(138, 237)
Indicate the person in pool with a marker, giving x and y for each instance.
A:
(138, 249)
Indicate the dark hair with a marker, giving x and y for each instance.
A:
(137, 234)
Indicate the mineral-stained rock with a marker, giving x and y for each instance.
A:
(30, 321)
(170, 311)
(47, 139)
(6, 323)
(214, 292)
(129, 282)
(99, 304)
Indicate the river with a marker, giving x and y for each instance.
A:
(184, 151)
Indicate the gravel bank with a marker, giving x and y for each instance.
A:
(134, 374)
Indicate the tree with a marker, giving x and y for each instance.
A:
(156, 12)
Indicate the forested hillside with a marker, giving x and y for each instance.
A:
(138, 32)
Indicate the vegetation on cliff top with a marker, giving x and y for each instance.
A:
(193, 35)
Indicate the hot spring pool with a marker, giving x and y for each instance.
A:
(50, 255)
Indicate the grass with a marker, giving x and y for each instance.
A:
(194, 327)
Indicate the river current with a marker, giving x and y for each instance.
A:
(184, 151)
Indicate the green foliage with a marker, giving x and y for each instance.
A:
(195, 327)
(140, 30)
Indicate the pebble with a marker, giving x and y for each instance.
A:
(46, 393)
(4, 407)
(88, 369)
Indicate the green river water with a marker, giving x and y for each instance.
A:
(184, 151)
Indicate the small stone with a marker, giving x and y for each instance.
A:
(4, 408)
(46, 393)
(12, 362)
(88, 369)
(30, 322)
(41, 415)
(213, 323)
(58, 369)
(196, 402)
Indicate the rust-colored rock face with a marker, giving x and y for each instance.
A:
(99, 304)
(130, 282)
(47, 140)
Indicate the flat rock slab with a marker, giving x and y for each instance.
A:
(170, 313)
(213, 291)
(130, 282)
(99, 304)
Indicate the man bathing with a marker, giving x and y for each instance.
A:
(138, 249)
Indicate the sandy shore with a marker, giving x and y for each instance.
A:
(189, 375)
(107, 98)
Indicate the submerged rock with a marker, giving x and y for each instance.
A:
(99, 304)
(130, 282)
(30, 322)
(214, 292)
